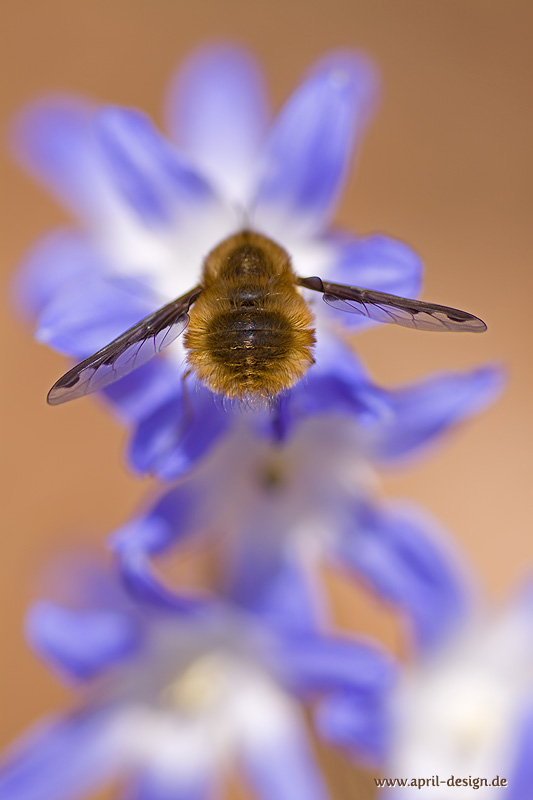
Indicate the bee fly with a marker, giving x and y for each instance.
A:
(249, 332)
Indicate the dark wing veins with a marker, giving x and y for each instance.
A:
(128, 351)
(383, 307)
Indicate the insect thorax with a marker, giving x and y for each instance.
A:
(251, 333)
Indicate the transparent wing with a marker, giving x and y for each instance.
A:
(398, 310)
(125, 353)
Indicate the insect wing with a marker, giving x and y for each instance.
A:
(128, 351)
(383, 307)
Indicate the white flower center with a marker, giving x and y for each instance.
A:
(202, 686)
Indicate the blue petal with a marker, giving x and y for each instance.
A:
(333, 394)
(88, 314)
(53, 139)
(154, 787)
(171, 440)
(177, 514)
(86, 583)
(407, 564)
(375, 262)
(143, 584)
(378, 262)
(320, 663)
(259, 576)
(81, 643)
(422, 412)
(153, 179)
(337, 383)
(58, 760)
(307, 155)
(59, 258)
(217, 112)
(358, 724)
(139, 394)
(520, 776)
(253, 564)
(287, 601)
(285, 770)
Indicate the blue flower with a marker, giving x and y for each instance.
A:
(150, 209)
(172, 698)
(464, 709)
(313, 496)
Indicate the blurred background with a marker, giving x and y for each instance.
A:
(447, 166)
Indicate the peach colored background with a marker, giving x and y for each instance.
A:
(447, 166)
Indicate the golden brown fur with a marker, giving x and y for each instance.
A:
(251, 333)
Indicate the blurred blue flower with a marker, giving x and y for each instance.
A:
(464, 708)
(314, 496)
(172, 698)
(150, 210)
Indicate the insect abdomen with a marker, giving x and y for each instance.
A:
(244, 338)
(255, 344)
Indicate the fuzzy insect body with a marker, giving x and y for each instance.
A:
(249, 331)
